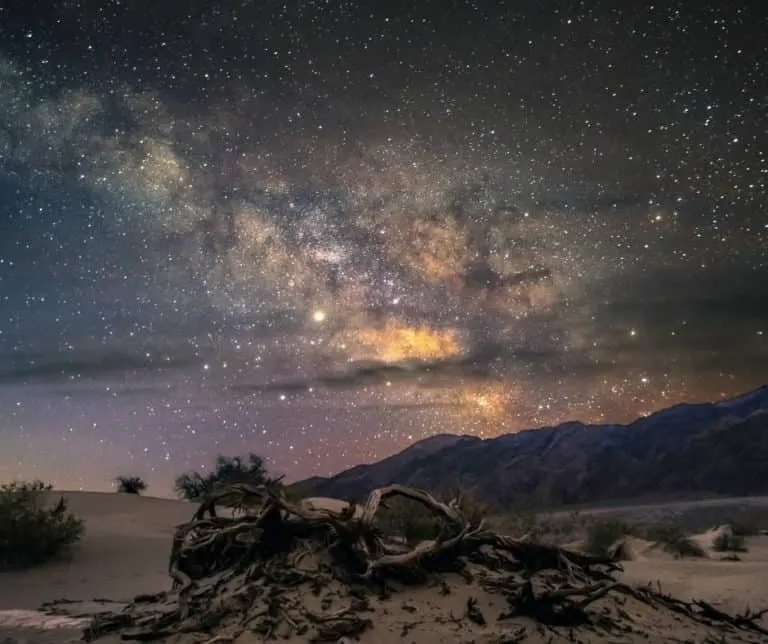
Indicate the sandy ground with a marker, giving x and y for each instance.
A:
(731, 585)
(124, 552)
(126, 545)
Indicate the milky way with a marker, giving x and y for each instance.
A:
(322, 231)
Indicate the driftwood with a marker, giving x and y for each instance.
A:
(255, 570)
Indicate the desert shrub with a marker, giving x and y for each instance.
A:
(297, 492)
(130, 484)
(685, 547)
(662, 533)
(725, 542)
(556, 529)
(519, 519)
(227, 470)
(520, 522)
(744, 527)
(673, 539)
(546, 526)
(407, 519)
(414, 522)
(470, 506)
(603, 533)
(32, 531)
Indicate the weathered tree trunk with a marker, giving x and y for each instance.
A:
(255, 571)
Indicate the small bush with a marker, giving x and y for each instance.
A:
(603, 533)
(545, 526)
(32, 532)
(227, 470)
(297, 492)
(674, 540)
(130, 484)
(685, 547)
(414, 522)
(662, 533)
(408, 519)
(726, 542)
(744, 527)
(470, 506)
(521, 522)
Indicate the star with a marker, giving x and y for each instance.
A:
(321, 233)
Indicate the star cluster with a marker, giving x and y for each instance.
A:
(322, 231)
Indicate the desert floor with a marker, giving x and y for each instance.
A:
(124, 553)
(732, 586)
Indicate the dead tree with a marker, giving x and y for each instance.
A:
(255, 570)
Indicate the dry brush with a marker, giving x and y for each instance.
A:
(321, 571)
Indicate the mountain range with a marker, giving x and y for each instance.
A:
(702, 449)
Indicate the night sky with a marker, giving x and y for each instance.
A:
(323, 230)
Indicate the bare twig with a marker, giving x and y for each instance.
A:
(243, 572)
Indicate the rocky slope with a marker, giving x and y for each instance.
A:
(709, 448)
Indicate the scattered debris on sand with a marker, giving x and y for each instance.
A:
(317, 571)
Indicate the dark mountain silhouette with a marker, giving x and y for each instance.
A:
(709, 449)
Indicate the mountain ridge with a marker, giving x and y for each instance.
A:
(574, 462)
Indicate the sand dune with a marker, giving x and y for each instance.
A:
(730, 585)
(124, 552)
(127, 541)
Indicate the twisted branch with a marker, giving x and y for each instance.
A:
(244, 571)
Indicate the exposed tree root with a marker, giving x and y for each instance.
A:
(282, 569)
